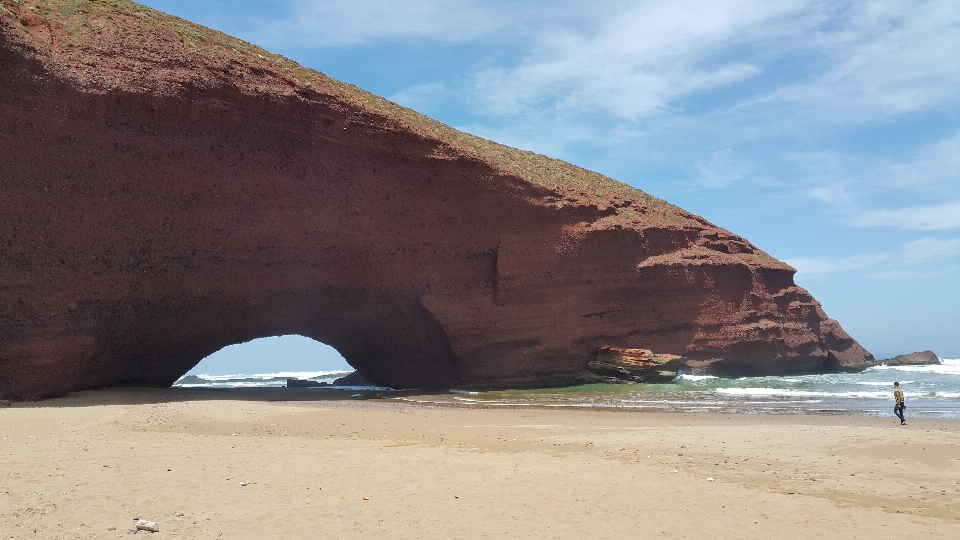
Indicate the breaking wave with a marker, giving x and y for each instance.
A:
(931, 391)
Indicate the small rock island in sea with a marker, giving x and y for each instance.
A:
(925, 358)
(167, 190)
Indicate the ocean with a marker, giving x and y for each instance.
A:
(930, 392)
(256, 380)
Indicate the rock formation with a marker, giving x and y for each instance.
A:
(353, 379)
(167, 190)
(925, 358)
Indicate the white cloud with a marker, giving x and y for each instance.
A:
(723, 168)
(578, 74)
(928, 249)
(920, 218)
(914, 275)
(931, 172)
(628, 59)
(342, 22)
(337, 23)
(934, 168)
(421, 96)
(883, 58)
(824, 178)
(812, 63)
(836, 194)
(635, 64)
(919, 258)
(554, 135)
(824, 162)
(868, 60)
(818, 266)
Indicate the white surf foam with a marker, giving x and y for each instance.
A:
(948, 366)
(686, 377)
(268, 376)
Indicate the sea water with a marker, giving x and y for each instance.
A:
(930, 392)
(256, 380)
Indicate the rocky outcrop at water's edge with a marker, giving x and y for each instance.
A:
(925, 358)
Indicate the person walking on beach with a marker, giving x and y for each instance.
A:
(898, 408)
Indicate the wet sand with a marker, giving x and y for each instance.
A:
(352, 468)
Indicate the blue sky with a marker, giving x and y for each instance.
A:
(827, 133)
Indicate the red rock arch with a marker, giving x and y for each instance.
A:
(158, 202)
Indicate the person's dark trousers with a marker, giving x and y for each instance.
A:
(898, 410)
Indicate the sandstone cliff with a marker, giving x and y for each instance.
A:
(167, 190)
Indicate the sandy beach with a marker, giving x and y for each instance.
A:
(350, 468)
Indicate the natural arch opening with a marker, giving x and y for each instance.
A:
(266, 362)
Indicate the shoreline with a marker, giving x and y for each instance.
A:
(931, 391)
(295, 395)
(349, 467)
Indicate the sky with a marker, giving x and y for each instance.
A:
(274, 354)
(827, 133)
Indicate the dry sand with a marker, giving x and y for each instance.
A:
(342, 468)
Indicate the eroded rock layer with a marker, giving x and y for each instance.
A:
(166, 190)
